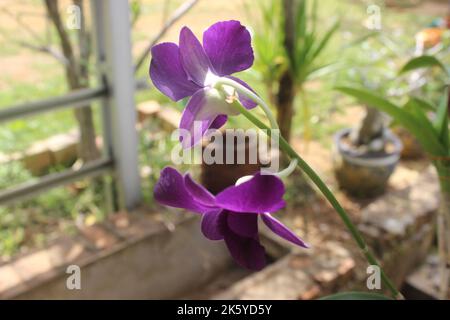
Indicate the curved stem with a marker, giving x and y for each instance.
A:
(328, 195)
(287, 171)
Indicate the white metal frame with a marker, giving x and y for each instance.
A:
(111, 22)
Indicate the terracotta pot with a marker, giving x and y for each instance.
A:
(362, 175)
(216, 177)
(411, 147)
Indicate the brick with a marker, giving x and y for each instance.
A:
(98, 236)
(400, 224)
(424, 282)
(147, 109)
(10, 281)
(32, 265)
(63, 147)
(66, 250)
(170, 118)
(299, 275)
(38, 158)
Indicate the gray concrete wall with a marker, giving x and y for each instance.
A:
(161, 264)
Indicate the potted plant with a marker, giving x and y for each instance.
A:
(222, 174)
(429, 123)
(365, 156)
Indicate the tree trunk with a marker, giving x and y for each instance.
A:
(286, 91)
(77, 77)
(370, 128)
(285, 105)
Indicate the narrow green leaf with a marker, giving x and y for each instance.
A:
(422, 62)
(424, 105)
(426, 138)
(413, 106)
(314, 16)
(356, 296)
(326, 69)
(326, 38)
(361, 39)
(441, 122)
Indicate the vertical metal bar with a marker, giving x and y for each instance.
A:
(119, 112)
(109, 182)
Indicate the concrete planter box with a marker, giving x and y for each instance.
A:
(142, 261)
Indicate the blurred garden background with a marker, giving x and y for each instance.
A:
(351, 42)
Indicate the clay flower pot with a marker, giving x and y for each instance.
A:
(364, 175)
(216, 177)
(411, 147)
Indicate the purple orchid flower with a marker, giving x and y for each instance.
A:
(191, 70)
(232, 215)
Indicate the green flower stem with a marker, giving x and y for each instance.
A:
(318, 182)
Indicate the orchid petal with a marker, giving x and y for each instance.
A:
(167, 73)
(198, 192)
(281, 230)
(193, 58)
(243, 224)
(228, 46)
(219, 121)
(204, 110)
(262, 193)
(247, 252)
(170, 190)
(246, 101)
(213, 224)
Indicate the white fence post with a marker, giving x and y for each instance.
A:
(113, 39)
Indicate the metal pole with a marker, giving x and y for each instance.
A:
(112, 19)
(74, 99)
(28, 189)
(111, 200)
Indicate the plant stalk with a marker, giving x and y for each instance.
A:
(443, 227)
(284, 145)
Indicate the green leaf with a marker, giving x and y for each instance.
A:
(425, 136)
(422, 62)
(441, 122)
(327, 37)
(424, 105)
(414, 107)
(326, 69)
(356, 296)
(361, 39)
